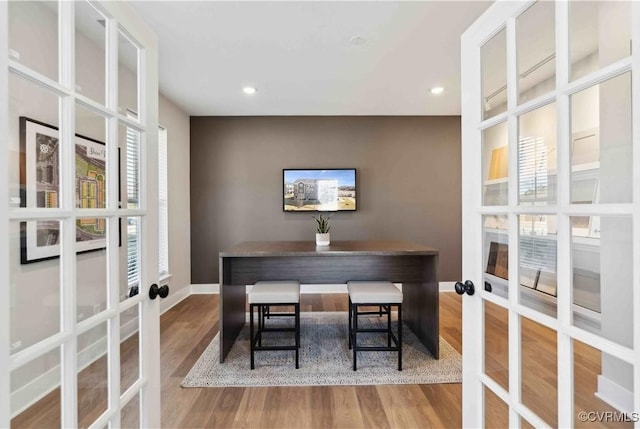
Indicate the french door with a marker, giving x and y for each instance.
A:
(551, 215)
(79, 334)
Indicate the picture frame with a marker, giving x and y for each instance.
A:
(39, 187)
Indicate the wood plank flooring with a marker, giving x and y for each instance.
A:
(189, 327)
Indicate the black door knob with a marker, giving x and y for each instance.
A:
(467, 287)
(155, 291)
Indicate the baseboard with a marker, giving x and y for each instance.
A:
(205, 288)
(447, 286)
(174, 298)
(214, 288)
(615, 395)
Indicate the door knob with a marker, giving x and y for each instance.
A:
(467, 287)
(155, 291)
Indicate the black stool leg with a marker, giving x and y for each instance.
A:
(297, 311)
(389, 326)
(251, 339)
(355, 335)
(350, 320)
(399, 337)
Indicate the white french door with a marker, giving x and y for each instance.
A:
(551, 215)
(79, 334)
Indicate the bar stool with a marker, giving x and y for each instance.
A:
(263, 296)
(383, 295)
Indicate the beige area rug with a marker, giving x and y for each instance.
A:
(325, 359)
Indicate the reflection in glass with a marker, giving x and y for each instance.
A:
(602, 266)
(33, 145)
(38, 377)
(90, 52)
(34, 287)
(537, 156)
(93, 380)
(129, 348)
(494, 75)
(538, 261)
(130, 145)
(592, 44)
(535, 48)
(33, 35)
(496, 412)
(588, 365)
(127, 74)
(601, 144)
(496, 254)
(495, 165)
(496, 346)
(91, 267)
(130, 414)
(539, 370)
(130, 271)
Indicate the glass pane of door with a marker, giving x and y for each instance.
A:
(35, 392)
(91, 54)
(535, 47)
(592, 44)
(33, 36)
(494, 75)
(537, 156)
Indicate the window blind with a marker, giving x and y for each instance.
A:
(532, 167)
(163, 201)
(133, 223)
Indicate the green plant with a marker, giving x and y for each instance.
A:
(323, 226)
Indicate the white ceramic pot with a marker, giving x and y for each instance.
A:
(323, 239)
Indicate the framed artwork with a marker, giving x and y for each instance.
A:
(40, 187)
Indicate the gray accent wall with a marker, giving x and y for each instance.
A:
(408, 172)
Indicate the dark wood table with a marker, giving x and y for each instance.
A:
(413, 265)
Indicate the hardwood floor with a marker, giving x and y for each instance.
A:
(190, 326)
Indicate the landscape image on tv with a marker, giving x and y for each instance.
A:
(319, 190)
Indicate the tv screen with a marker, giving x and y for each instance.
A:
(319, 190)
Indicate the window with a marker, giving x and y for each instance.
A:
(163, 209)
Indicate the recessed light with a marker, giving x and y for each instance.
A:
(249, 90)
(437, 90)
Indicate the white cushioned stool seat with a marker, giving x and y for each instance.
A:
(370, 292)
(275, 292)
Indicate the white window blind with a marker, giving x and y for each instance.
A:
(133, 187)
(532, 167)
(163, 200)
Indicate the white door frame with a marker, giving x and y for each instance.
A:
(500, 15)
(120, 16)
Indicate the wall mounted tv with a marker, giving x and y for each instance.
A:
(320, 190)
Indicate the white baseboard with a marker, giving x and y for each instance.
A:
(615, 395)
(174, 298)
(205, 288)
(214, 288)
(447, 286)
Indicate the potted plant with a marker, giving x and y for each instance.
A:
(323, 238)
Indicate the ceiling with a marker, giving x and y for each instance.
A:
(311, 58)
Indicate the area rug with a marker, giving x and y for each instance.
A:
(325, 359)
